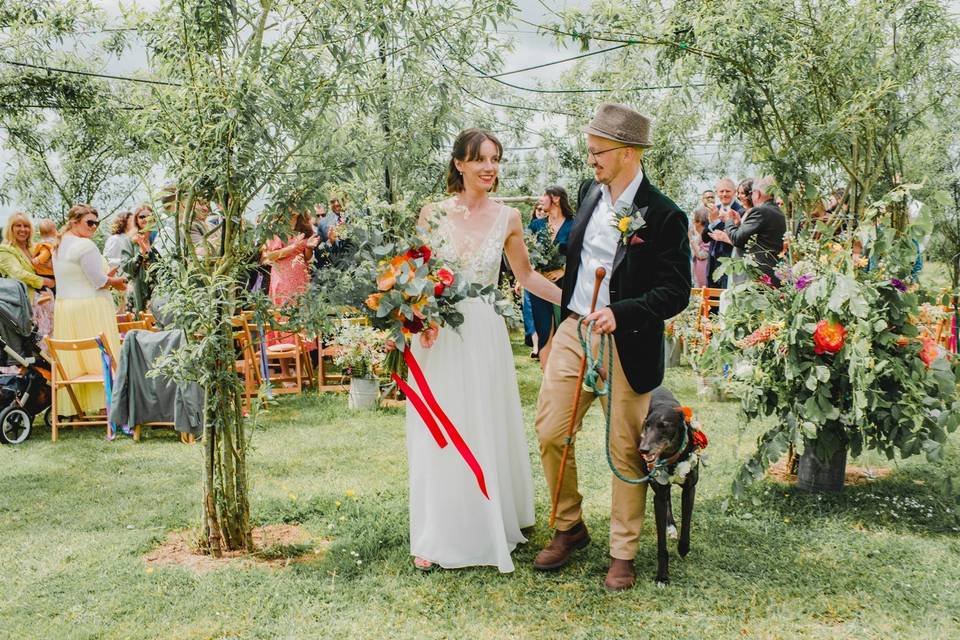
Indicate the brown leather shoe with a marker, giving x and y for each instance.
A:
(620, 576)
(557, 553)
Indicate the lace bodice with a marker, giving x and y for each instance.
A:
(476, 254)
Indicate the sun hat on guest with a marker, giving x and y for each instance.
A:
(620, 123)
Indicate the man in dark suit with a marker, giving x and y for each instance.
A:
(647, 281)
(726, 202)
(760, 232)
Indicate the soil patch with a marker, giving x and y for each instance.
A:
(854, 475)
(278, 545)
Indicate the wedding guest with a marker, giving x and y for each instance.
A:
(744, 194)
(556, 225)
(290, 274)
(84, 305)
(726, 189)
(16, 257)
(174, 202)
(708, 199)
(137, 258)
(699, 249)
(119, 238)
(289, 260)
(43, 250)
(759, 233)
(529, 329)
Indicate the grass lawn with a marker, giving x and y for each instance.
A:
(880, 561)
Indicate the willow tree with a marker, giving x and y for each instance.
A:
(258, 91)
(822, 93)
(64, 130)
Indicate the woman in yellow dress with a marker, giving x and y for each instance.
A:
(84, 305)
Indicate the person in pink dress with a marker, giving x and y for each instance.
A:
(290, 270)
(698, 248)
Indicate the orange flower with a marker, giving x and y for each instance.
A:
(386, 280)
(930, 351)
(829, 337)
(373, 300)
(418, 305)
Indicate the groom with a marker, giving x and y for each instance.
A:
(647, 282)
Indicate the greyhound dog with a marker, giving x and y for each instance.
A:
(667, 441)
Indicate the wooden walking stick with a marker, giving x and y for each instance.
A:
(601, 274)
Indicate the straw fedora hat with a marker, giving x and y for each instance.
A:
(620, 123)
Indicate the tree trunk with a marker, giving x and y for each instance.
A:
(226, 504)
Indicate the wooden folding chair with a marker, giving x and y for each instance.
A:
(289, 351)
(149, 319)
(125, 317)
(247, 360)
(60, 379)
(125, 327)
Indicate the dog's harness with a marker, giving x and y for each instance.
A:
(593, 381)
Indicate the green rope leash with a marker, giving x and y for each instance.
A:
(593, 382)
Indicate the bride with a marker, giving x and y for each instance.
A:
(472, 375)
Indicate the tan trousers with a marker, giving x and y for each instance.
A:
(629, 408)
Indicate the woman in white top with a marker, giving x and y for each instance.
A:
(84, 305)
(119, 239)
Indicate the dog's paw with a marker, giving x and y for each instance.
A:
(683, 548)
(662, 582)
(672, 531)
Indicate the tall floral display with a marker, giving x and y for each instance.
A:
(837, 353)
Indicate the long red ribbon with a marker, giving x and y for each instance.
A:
(430, 401)
(421, 409)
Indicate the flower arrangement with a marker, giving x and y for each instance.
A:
(835, 354)
(544, 254)
(359, 349)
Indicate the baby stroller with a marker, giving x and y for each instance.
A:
(26, 394)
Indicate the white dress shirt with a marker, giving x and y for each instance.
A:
(600, 247)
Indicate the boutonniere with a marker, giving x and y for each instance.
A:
(628, 222)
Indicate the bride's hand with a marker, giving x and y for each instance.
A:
(429, 337)
(391, 345)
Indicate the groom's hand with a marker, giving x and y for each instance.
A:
(605, 322)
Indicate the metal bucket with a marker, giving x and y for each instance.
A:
(364, 393)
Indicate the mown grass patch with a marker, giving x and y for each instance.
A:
(880, 560)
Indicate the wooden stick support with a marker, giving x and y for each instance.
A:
(601, 273)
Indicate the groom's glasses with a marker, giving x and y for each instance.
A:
(594, 154)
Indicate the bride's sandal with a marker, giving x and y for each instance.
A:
(423, 565)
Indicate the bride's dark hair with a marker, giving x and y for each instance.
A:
(466, 148)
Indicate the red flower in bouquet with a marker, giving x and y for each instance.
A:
(829, 337)
(445, 276)
(422, 252)
(700, 440)
(445, 279)
(930, 351)
(413, 325)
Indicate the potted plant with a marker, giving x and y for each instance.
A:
(835, 354)
(360, 353)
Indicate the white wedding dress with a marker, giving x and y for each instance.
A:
(471, 372)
